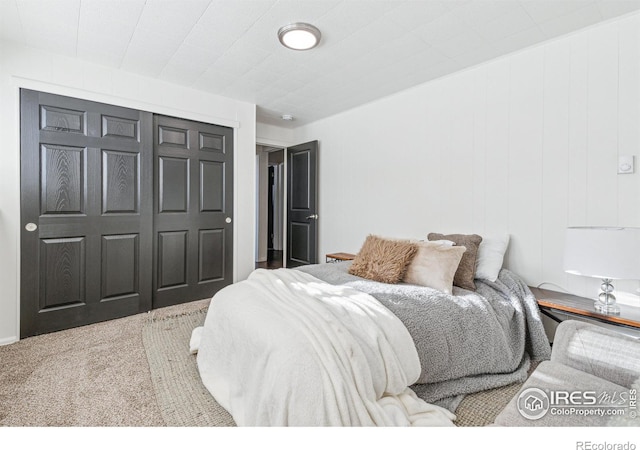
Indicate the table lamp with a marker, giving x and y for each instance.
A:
(608, 253)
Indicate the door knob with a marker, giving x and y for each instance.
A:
(31, 227)
(312, 216)
(228, 220)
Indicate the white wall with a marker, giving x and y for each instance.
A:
(274, 135)
(526, 144)
(24, 67)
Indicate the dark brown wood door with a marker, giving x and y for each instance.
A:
(302, 212)
(193, 229)
(86, 239)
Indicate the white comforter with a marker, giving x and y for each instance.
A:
(284, 348)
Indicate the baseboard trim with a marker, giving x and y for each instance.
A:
(9, 340)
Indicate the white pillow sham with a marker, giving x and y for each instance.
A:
(491, 257)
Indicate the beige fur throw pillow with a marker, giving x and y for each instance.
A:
(434, 265)
(383, 260)
(467, 269)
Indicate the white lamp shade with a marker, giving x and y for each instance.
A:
(603, 252)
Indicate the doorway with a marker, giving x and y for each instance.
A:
(270, 178)
(286, 225)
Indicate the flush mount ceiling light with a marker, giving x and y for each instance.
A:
(287, 117)
(299, 36)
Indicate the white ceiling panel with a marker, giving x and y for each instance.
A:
(574, 20)
(55, 15)
(505, 25)
(193, 58)
(179, 74)
(102, 51)
(403, 47)
(138, 61)
(108, 20)
(369, 49)
(518, 41)
(429, 57)
(210, 39)
(486, 53)
(171, 17)
(486, 11)
(458, 45)
(443, 28)
(412, 14)
(543, 10)
(611, 9)
(214, 81)
(59, 41)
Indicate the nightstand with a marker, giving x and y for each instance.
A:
(335, 257)
(582, 307)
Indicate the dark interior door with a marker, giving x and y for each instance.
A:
(86, 240)
(302, 215)
(193, 233)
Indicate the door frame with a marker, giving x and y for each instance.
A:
(285, 147)
(276, 147)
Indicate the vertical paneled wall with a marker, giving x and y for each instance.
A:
(526, 145)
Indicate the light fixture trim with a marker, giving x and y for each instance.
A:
(299, 36)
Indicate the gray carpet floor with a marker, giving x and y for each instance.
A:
(137, 372)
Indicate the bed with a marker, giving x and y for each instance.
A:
(317, 345)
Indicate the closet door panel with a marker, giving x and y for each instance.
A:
(173, 180)
(86, 239)
(172, 259)
(194, 200)
(120, 266)
(120, 182)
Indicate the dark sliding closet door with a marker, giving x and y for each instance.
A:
(86, 236)
(193, 205)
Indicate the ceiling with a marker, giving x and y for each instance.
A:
(369, 48)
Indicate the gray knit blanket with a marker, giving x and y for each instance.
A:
(467, 342)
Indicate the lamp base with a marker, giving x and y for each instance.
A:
(606, 303)
(611, 309)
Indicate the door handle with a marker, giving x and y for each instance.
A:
(31, 227)
(312, 216)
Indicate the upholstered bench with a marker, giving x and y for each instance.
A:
(592, 379)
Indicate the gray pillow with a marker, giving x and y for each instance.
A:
(467, 268)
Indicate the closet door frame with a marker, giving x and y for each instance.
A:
(108, 238)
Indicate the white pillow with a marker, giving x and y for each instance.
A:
(491, 256)
(445, 242)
